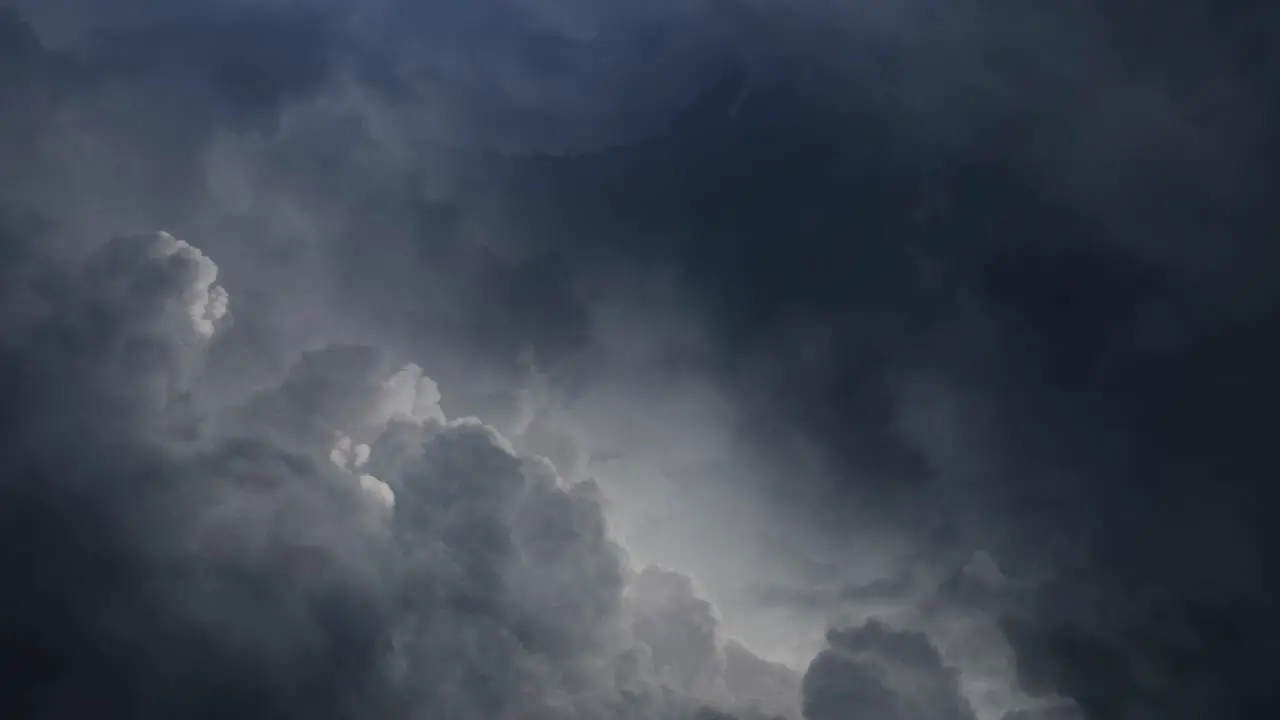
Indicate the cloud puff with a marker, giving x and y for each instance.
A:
(206, 303)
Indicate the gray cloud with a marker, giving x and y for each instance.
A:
(875, 671)
(827, 297)
(242, 566)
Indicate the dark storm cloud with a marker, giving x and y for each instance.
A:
(999, 274)
(231, 121)
(1049, 338)
(1007, 350)
(507, 74)
(838, 251)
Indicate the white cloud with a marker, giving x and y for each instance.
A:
(206, 302)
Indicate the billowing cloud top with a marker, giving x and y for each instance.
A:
(258, 567)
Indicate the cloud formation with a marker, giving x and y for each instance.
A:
(959, 315)
(271, 566)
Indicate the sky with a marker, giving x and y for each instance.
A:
(676, 360)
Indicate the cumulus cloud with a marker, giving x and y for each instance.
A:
(239, 569)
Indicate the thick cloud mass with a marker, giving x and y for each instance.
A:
(928, 345)
(259, 567)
